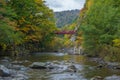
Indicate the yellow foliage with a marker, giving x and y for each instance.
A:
(89, 3)
(17, 28)
(25, 29)
(116, 42)
(79, 40)
(68, 43)
(28, 28)
(4, 46)
(31, 16)
(87, 6)
(38, 1)
(35, 28)
(32, 37)
(22, 20)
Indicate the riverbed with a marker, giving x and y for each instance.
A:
(86, 68)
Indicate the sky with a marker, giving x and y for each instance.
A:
(62, 5)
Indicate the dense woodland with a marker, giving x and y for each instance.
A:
(28, 26)
(100, 28)
(66, 17)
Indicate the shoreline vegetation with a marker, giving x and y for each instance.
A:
(28, 27)
(25, 29)
(100, 29)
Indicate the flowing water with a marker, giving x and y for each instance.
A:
(86, 68)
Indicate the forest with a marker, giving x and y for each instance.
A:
(31, 29)
(32, 49)
(26, 25)
(24, 28)
(100, 28)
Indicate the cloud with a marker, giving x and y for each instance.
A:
(61, 5)
(54, 3)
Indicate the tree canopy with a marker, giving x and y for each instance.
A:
(100, 27)
(26, 23)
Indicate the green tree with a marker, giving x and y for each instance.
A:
(100, 26)
(35, 21)
(8, 34)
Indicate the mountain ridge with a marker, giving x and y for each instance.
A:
(66, 17)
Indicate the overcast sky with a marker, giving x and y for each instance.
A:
(61, 5)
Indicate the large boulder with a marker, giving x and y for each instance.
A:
(38, 65)
(4, 72)
(41, 65)
(18, 67)
(71, 68)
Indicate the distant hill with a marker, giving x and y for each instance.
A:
(66, 17)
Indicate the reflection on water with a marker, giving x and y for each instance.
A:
(86, 71)
(56, 56)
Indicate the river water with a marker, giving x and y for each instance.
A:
(86, 68)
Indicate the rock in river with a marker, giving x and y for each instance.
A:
(71, 68)
(4, 72)
(97, 78)
(41, 65)
(38, 65)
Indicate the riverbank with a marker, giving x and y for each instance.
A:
(59, 65)
(102, 63)
(71, 68)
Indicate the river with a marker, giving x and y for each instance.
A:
(86, 68)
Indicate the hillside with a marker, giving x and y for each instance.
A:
(65, 17)
(100, 28)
